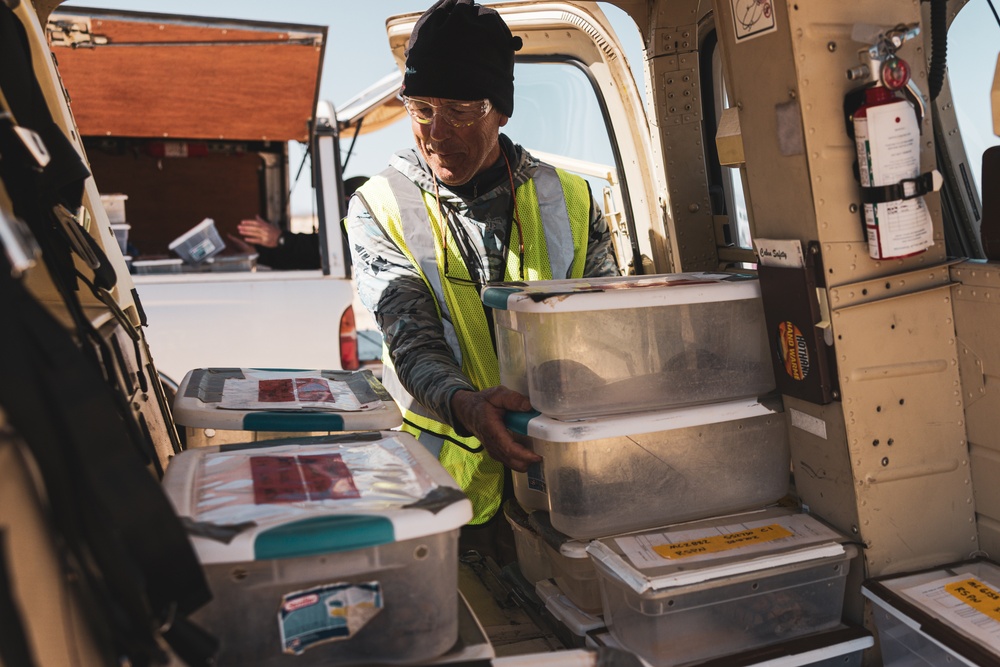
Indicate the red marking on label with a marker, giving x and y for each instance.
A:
(314, 390)
(294, 479)
(299, 603)
(793, 351)
(275, 391)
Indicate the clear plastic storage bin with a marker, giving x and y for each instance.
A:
(621, 473)
(944, 616)
(120, 231)
(339, 550)
(576, 621)
(198, 243)
(581, 348)
(531, 556)
(242, 401)
(114, 206)
(572, 570)
(714, 588)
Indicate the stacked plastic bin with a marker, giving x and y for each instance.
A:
(339, 549)
(948, 615)
(654, 409)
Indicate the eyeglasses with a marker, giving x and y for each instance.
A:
(456, 114)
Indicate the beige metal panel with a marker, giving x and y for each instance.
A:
(824, 477)
(989, 536)
(977, 320)
(823, 51)
(761, 77)
(675, 77)
(876, 289)
(905, 430)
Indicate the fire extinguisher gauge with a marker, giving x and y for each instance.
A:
(895, 73)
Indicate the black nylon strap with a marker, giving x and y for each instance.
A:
(108, 507)
(908, 188)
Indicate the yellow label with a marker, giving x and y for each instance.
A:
(708, 545)
(977, 595)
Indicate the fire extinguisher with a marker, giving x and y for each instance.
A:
(887, 137)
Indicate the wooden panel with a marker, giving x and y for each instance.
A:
(214, 81)
(168, 196)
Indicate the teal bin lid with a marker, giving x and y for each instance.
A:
(323, 534)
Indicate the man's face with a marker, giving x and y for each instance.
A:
(457, 154)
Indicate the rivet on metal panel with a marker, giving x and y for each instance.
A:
(853, 208)
(885, 461)
(889, 442)
(902, 400)
(209, 432)
(878, 408)
(875, 442)
(831, 46)
(854, 529)
(835, 394)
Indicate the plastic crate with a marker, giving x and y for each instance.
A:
(340, 550)
(588, 347)
(948, 615)
(621, 473)
(198, 243)
(715, 588)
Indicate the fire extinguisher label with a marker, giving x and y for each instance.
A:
(792, 351)
(888, 144)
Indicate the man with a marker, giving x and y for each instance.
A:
(440, 222)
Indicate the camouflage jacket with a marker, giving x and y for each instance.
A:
(402, 305)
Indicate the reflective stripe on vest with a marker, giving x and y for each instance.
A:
(411, 217)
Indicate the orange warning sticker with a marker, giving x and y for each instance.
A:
(723, 542)
(793, 351)
(977, 595)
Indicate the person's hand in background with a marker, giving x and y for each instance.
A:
(259, 232)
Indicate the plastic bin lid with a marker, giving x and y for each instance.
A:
(262, 399)
(578, 621)
(200, 228)
(564, 544)
(956, 605)
(614, 292)
(699, 551)
(798, 652)
(536, 425)
(306, 496)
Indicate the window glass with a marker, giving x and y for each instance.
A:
(973, 45)
(556, 111)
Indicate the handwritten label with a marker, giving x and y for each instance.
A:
(779, 252)
(716, 543)
(977, 595)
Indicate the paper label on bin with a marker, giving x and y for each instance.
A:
(295, 479)
(328, 613)
(377, 476)
(291, 392)
(963, 602)
(726, 542)
(649, 550)
(977, 595)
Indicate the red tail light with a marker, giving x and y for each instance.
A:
(349, 341)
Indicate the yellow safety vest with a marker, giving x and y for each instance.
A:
(410, 216)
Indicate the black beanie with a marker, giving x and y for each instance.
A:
(462, 51)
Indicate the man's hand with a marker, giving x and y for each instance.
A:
(259, 232)
(482, 413)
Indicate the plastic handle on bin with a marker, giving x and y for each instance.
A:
(518, 421)
(496, 297)
(283, 421)
(325, 534)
